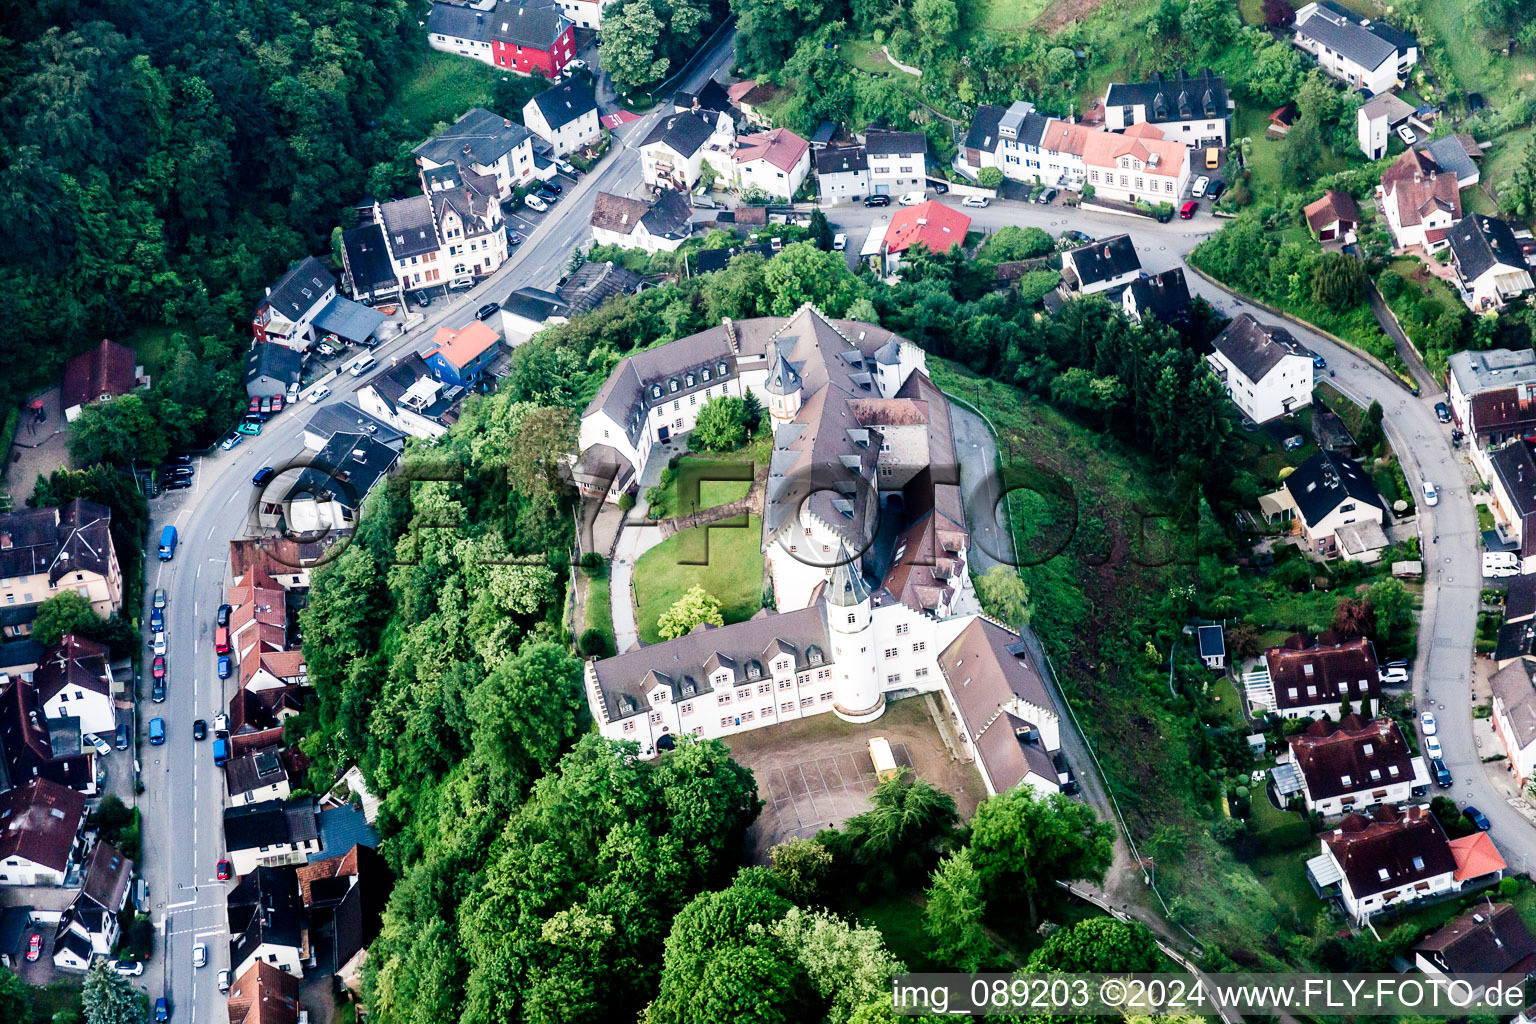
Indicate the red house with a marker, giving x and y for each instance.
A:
(933, 224)
(530, 37)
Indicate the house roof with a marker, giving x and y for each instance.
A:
(265, 994)
(1213, 643)
(342, 828)
(75, 537)
(300, 287)
(842, 160)
(1178, 97)
(458, 22)
(982, 133)
(1332, 208)
(535, 304)
(105, 369)
(1480, 243)
(535, 24)
(254, 712)
(684, 133)
(463, 346)
(107, 874)
(1520, 599)
(1484, 940)
(565, 103)
(708, 260)
(1351, 756)
(1161, 156)
(1104, 260)
(751, 92)
(1454, 154)
(1388, 105)
(366, 258)
(348, 417)
(269, 823)
(1390, 849)
(1516, 470)
(1476, 856)
(669, 215)
(356, 462)
(932, 223)
(74, 663)
(279, 362)
(256, 769)
(595, 283)
(277, 556)
(1162, 296)
(1326, 481)
(1416, 186)
(1343, 33)
(348, 319)
(989, 674)
(264, 909)
(410, 226)
(39, 821)
(713, 96)
(1515, 688)
(1491, 369)
(478, 137)
(35, 747)
(620, 214)
(884, 142)
(780, 147)
(1309, 671)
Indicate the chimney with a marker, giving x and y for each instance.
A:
(5, 540)
(466, 149)
(506, 122)
(358, 455)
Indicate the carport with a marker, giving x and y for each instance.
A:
(348, 320)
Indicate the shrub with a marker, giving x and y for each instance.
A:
(989, 177)
(594, 644)
(591, 560)
(626, 501)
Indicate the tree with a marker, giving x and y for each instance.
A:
(119, 432)
(722, 425)
(630, 48)
(16, 997)
(695, 607)
(846, 965)
(1023, 844)
(1338, 281)
(1393, 605)
(1004, 595)
(989, 177)
(1099, 945)
(1352, 617)
(1372, 436)
(64, 612)
(901, 835)
(820, 230)
(107, 997)
(739, 290)
(802, 273)
(527, 710)
(954, 914)
(802, 866)
(1016, 243)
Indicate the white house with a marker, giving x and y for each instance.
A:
(566, 115)
(1315, 677)
(486, 144)
(897, 161)
(1136, 166)
(329, 495)
(40, 825)
(584, 13)
(74, 680)
(266, 920)
(1266, 372)
(89, 926)
(1514, 716)
(1191, 110)
(1420, 201)
(409, 398)
(1490, 267)
(286, 314)
(1100, 266)
(1353, 764)
(777, 162)
(270, 834)
(673, 154)
(1365, 53)
(453, 231)
(842, 174)
(1375, 120)
(1490, 938)
(1492, 395)
(1374, 862)
(661, 224)
(1336, 508)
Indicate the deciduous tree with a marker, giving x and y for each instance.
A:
(694, 607)
(1004, 595)
(1023, 844)
(64, 612)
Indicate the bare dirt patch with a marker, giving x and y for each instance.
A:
(1065, 12)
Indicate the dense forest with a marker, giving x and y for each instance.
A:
(160, 164)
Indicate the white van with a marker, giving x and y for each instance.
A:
(839, 243)
(1500, 563)
(361, 365)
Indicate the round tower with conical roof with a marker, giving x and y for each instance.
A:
(855, 671)
(783, 387)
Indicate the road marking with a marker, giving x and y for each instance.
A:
(186, 903)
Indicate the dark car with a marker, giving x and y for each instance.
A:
(157, 691)
(552, 185)
(1076, 237)
(1442, 412)
(179, 460)
(162, 1010)
(225, 666)
(223, 616)
(488, 310)
(1476, 817)
(1319, 362)
(1214, 190)
(122, 735)
(180, 472)
(199, 730)
(939, 187)
(177, 483)
(422, 298)
(263, 475)
(513, 238)
(1442, 773)
(157, 668)
(877, 201)
(156, 620)
(1045, 197)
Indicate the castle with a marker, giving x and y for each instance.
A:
(864, 539)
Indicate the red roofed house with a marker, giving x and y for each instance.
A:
(1374, 862)
(40, 826)
(932, 224)
(776, 162)
(1420, 201)
(1138, 165)
(458, 356)
(104, 372)
(264, 994)
(1333, 216)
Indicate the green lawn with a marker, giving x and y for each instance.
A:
(1474, 64)
(696, 485)
(1006, 15)
(1498, 165)
(444, 86)
(865, 55)
(1227, 702)
(152, 342)
(733, 572)
(1284, 875)
(599, 614)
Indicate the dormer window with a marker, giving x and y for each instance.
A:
(705, 373)
(814, 655)
(722, 369)
(655, 390)
(672, 385)
(754, 670)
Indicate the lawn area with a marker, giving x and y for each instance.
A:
(707, 479)
(152, 342)
(1497, 167)
(865, 55)
(444, 86)
(732, 573)
(1006, 15)
(599, 613)
(1474, 64)
(900, 921)
(1284, 875)
(1227, 702)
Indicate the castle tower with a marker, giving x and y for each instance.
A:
(856, 680)
(783, 387)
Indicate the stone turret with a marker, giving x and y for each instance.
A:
(856, 678)
(783, 387)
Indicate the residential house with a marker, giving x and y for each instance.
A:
(1392, 857)
(326, 421)
(256, 716)
(531, 37)
(97, 375)
(286, 314)
(584, 13)
(264, 994)
(345, 898)
(453, 232)
(842, 174)
(270, 834)
(1456, 154)
(285, 560)
(343, 826)
(1213, 647)
(1375, 121)
(930, 224)
(594, 283)
(1419, 200)
(566, 115)
(527, 311)
(1364, 53)
(329, 494)
(261, 775)
(1192, 110)
(1163, 297)
(1137, 166)
(1491, 938)
(1334, 216)
(1313, 677)
(1517, 633)
(1512, 498)
(485, 144)
(711, 96)
(982, 145)
(1354, 764)
(271, 369)
(366, 264)
(898, 161)
(258, 618)
(1100, 266)
(673, 154)
(33, 746)
(777, 161)
(266, 920)
(1267, 373)
(1490, 267)
(749, 97)
(661, 224)
(1514, 716)
(74, 681)
(1492, 395)
(458, 357)
(406, 396)
(40, 832)
(707, 261)
(1337, 508)
(47, 550)
(89, 927)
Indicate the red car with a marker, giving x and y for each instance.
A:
(1188, 209)
(224, 870)
(221, 640)
(158, 668)
(34, 947)
(277, 403)
(255, 407)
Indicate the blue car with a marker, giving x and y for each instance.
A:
(1319, 362)
(263, 475)
(156, 731)
(157, 620)
(162, 1010)
(1476, 817)
(224, 666)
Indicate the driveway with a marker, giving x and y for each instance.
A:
(976, 449)
(38, 449)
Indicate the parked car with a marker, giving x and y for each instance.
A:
(839, 242)
(576, 65)
(200, 730)
(1442, 773)
(221, 618)
(422, 299)
(912, 198)
(1046, 196)
(1407, 135)
(34, 947)
(552, 185)
(162, 1010)
(1076, 237)
(232, 441)
(1188, 209)
(1394, 676)
(225, 666)
(277, 404)
(1500, 564)
(224, 980)
(127, 968)
(534, 203)
(200, 955)
(976, 201)
(157, 691)
(156, 731)
(157, 667)
(224, 871)
(325, 350)
(160, 644)
(877, 201)
(293, 392)
(156, 619)
(1200, 186)
(1476, 817)
(221, 723)
(263, 476)
(1433, 748)
(122, 735)
(221, 640)
(940, 187)
(254, 407)
(567, 169)
(159, 598)
(319, 395)
(266, 406)
(250, 427)
(1442, 412)
(1427, 723)
(1214, 190)
(1431, 496)
(1319, 362)
(102, 746)
(513, 238)
(487, 311)
(459, 284)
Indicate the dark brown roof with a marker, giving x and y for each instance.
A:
(1484, 940)
(618, 213)
(105, 371)
(991, 679)
(1352, 756)
(74, 663)
(278, 556)
(1390, 849)
(264, 995)
(1308, 672)
(1255, 348)
(39, 821)
(26, 743)
(75, 537)
(107, 874)
(253, 711)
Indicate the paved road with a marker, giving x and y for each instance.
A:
(184, 794)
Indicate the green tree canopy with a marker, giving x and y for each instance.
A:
(722, 425)
(903, 833)
(107, 997)
(696, 606)
(953, 917)
(1004, 595)
(1023, 844)
(64, 612)
(1099, 945)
